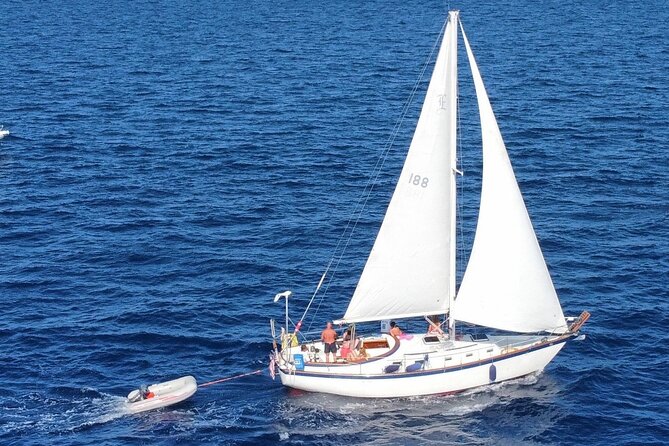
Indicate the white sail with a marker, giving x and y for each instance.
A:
(408, 272)
(506, 284)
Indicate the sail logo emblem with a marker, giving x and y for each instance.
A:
(442, 101)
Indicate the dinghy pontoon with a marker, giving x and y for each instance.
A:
(161, 395)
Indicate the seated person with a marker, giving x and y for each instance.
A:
(395, 330)
(357, 355)
(346, 344)
(434, 326)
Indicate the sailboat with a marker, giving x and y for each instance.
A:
(506, 289)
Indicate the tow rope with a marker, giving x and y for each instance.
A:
(229, 378)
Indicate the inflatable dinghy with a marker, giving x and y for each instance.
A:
(160, 395)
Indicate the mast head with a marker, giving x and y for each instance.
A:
(454, 16)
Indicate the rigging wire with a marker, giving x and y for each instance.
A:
(229, 378)
(462, 243)
(373, 178)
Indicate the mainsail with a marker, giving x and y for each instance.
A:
(410, 269)
(506, 284)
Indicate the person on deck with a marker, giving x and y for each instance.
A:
(357, 355)
(434, 326)
(346, 344)
(329, 338)
(395, 330)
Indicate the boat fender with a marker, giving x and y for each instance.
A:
(492, 373)
(392, 368)
(416, 366)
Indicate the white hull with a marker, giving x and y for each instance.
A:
(471, 369)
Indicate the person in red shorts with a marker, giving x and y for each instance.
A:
(329, 338)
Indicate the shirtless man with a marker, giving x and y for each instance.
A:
(329, 338)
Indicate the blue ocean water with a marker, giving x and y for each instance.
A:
(172, 165)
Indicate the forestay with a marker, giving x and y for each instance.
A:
(408, 272)
(506, 284)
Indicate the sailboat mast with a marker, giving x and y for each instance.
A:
(452, 93)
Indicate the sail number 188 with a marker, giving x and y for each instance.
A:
(417, 180)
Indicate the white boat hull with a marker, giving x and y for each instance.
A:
(430, 381)
(166, 394)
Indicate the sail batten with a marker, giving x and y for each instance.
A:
(506, 284)
(408, 269)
